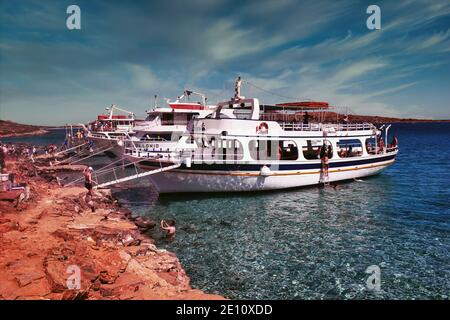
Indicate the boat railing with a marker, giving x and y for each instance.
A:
(292, 126)
(98, 135)
(153, 139)
(391, 149)
(198, 155)
(179, 154)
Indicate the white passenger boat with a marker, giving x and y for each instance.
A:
(167, 124)
(163, 124)
(246, 146)
(109, 130)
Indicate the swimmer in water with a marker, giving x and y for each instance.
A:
(169, 227)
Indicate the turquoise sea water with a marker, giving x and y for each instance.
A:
(316, 243)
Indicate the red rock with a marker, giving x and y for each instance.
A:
(63, 235)
(9, 226)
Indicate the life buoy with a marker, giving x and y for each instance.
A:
(263, 128)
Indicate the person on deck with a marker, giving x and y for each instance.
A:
(346, 120)
(306, 118)
(380, 144)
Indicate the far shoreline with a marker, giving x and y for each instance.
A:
(26, 130)
(39, 132)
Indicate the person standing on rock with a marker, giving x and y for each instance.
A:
(88, 181)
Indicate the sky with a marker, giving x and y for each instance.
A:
(128, 51)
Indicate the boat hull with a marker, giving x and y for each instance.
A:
(189, 180)
(111, 145)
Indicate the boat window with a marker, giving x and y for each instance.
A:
(224, 149)
(273, 150)
(151, 116)
(167, 119)
(179, 119)
(243, 113)
(370, 145)
(349, 148)
(311, 151)
(183, 118)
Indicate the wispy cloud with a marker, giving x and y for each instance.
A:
(128, 51)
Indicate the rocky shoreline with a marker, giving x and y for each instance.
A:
(60, 245)
(38, 132)
(11, 129)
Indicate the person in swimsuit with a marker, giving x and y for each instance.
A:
(325, 162)
(168, 227)
(88, 182)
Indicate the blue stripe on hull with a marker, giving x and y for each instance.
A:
(280, 167)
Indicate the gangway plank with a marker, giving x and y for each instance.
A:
(71, 149)
(86, 155)
(137, 176)
(95, 153)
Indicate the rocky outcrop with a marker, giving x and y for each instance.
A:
(64, 245)
(12, 129)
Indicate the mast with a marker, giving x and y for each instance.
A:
(237, 89)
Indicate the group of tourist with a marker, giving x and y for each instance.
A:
(101, 126)
(380, 145)
(14, 152)
(80, 135)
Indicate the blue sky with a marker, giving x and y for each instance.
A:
(127, 51)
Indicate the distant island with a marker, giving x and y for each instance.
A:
(13, 129)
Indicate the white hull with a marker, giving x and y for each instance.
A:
(178, 181)
(111, 145)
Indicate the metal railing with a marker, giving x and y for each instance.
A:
(292, 126)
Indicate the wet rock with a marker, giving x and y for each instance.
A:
(125, 212)
(225, 223)
(105, 194)
(143, 223)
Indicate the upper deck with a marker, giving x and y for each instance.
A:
(112, 121)
(248, 117)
